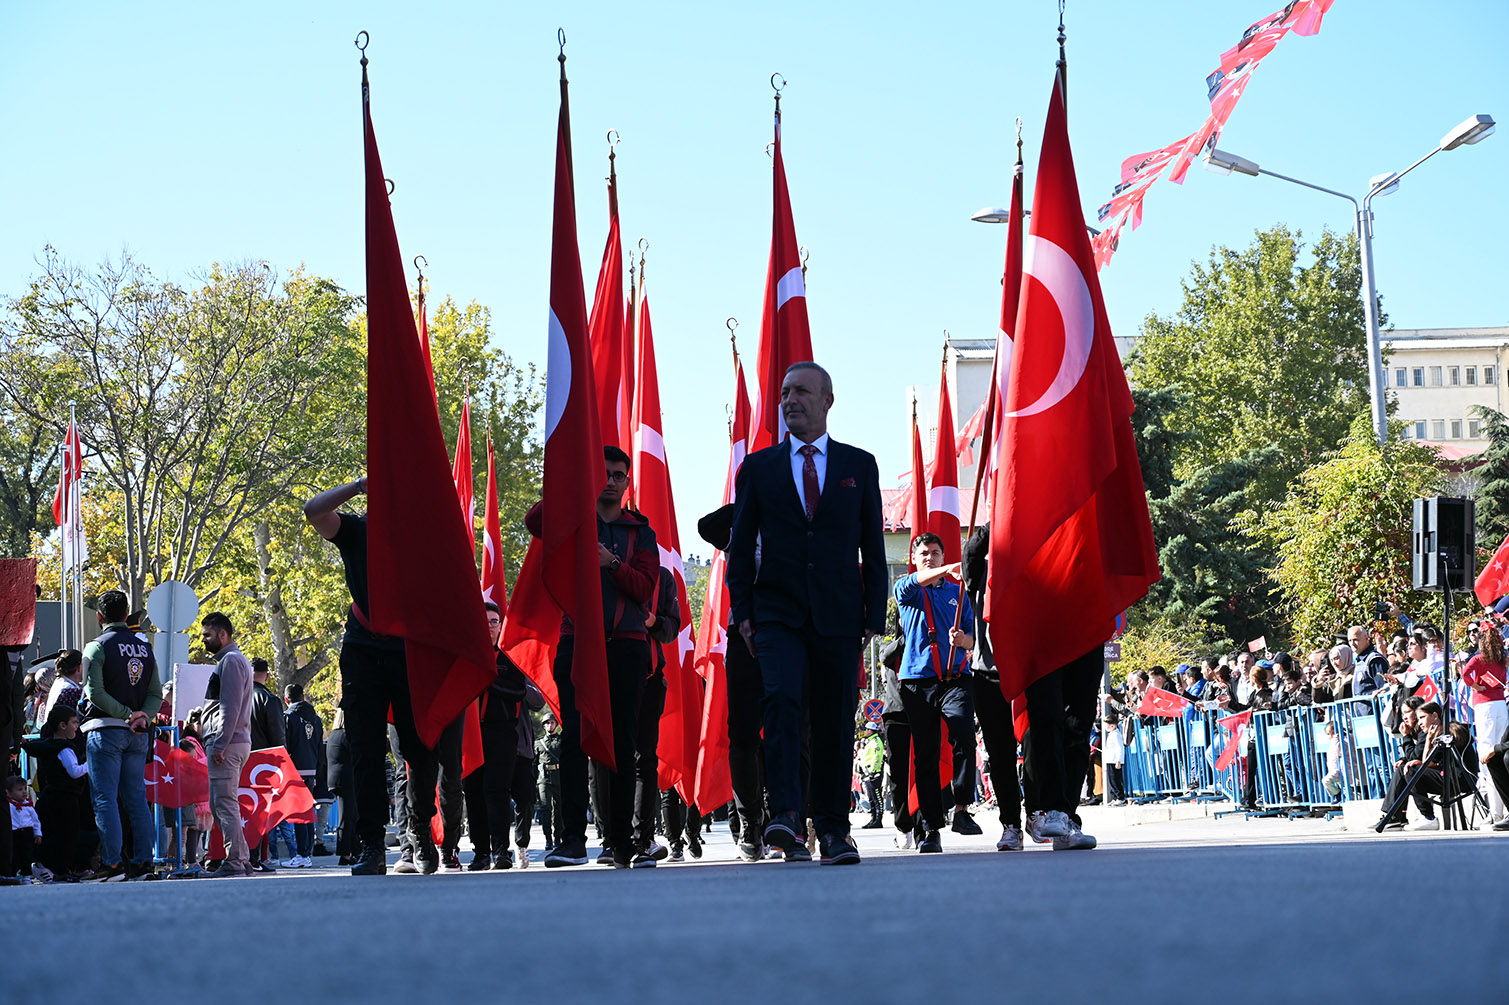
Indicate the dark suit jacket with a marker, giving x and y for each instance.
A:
(809, 571)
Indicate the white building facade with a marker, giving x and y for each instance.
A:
(1436, 375)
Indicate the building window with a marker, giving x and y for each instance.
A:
(1472, 376)
(1456, 429)
(1420, 430)
(1417, 376)
(1435, 376)
(1453, 375)
(1438, 429)
(1488, 376)
(1401, 377)
(1473, 427)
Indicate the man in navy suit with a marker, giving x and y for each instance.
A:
(806, 515)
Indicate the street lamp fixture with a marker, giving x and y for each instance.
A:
(1468, 132)
(995, 214)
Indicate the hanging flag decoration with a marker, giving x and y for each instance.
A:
(785, 337)
(606, 325)
(943, 497)
(1224, 87)
(1081, 540)
(67, 503)
(461, 473)
(916, 515)
(421, 566)
(494, 576)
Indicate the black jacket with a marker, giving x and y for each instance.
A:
(976, 568)
(809, 571)
(266, 719)
(667, 624)
(304, 736)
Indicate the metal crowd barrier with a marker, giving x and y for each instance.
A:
(1304, 759)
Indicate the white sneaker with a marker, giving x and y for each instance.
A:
(1075, 840)
(291, 863)
(904, 840)
(522, 858)
(1043, 825)
(1426, 825)
(1011, 839)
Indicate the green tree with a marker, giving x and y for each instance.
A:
(1491, 503)
(29, 451)
(1266, 349)
(1342, 535)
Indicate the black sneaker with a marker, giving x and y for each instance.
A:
(965, 824)
(678, 853)
(573, 852)
(319, 850)
(872, 824)
(694, 844)
(605, 857)
(782, 833)
(838, 850)
(480, 862)
(644, 860)
(750, 852)
(373, 861)
(930, 845)
(264, 866)
(502, 862)
(450, 861)
(798, 853)
(405, 865)
(141, 870)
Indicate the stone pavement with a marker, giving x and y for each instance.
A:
(1191, 910)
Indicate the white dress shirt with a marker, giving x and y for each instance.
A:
(798, 463)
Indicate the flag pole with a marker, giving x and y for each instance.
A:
(76, 525)
(1063, 60)
(65, 603)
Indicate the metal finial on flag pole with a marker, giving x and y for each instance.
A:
(731, 324)
(644, 246)
(361, 43)
(420, 264)
(560, 36)
(778, 89)
(1063, 60)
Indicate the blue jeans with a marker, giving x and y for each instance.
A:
(117, 762)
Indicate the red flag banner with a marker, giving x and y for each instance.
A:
(461, 473)
(494, 576)
(1236, 726)
(785, 336)
(1069, 526)
(714, 787)
(1167, 704)
(606, 326)
(681, 721)
(271, 791)
(1493, 582)
(916, 514)
(573, 464)
(421, 569)
(18, 602)
(1428, 691)
(943, 498)
(424, 345)
(176, 778)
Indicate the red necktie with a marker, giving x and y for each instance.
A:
(810, 490)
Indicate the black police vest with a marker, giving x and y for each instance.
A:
(129, 666)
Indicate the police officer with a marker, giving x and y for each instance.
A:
(122, 694)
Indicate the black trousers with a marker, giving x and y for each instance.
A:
(59, 813)
(746, 754)
(500, 747)
(448, 778)
(1061, 713)
(23, 844)
(372, 681)
(1500, 775)
(929, 706)
(682, 822)
(998, 730)
(801, 667)
(896, 734)
(647, 761)
(873, 797)
(628, 665)
(549, 791)
(345, 821)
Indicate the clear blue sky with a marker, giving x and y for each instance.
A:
(193, 132)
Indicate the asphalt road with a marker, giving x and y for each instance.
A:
(1231, 912)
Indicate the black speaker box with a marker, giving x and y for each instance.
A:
(1445, 543)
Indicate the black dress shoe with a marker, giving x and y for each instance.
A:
(480, 862)
(872, 824)
(930, 844)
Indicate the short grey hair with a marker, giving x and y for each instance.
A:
(809, 365)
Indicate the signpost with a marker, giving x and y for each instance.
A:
(172, 608)
(873, 709)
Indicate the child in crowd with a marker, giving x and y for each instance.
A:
(25, 827)
(62, 780)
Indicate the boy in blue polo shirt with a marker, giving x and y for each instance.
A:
(934, 665)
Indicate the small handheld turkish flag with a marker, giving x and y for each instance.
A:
(175, 778)
(1157, 701)
(1237, 726)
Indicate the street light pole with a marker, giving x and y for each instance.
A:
(1468, 132)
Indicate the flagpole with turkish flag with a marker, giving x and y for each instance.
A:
(681, 719)
(943, 496)
(420, 567)
(574, 461)
(606, 324)
(785, 336)
(461, 472)
(1069, 528)
(714, 784)
(424, 326)
(1493, 582)
(917, 511)
(494, 576)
